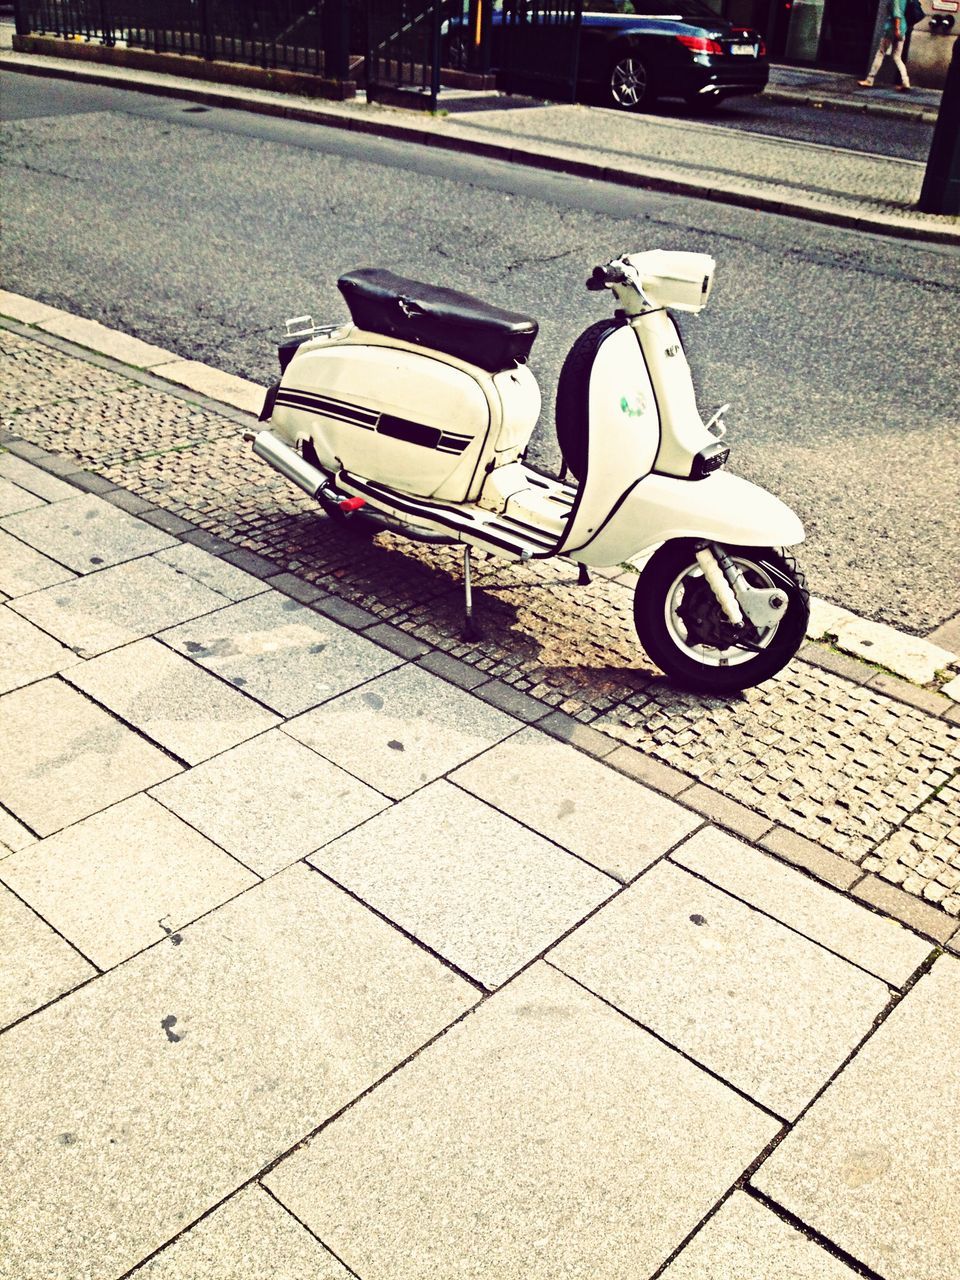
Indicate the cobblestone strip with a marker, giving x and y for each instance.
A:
(869, 779)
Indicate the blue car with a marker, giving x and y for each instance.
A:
(635, 51)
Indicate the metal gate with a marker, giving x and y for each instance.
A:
(403, 52)
(539, 47)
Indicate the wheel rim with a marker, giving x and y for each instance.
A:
(698, 626)
(628, 82)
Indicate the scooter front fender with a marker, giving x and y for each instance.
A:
(721, 507)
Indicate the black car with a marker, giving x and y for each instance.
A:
(634, 51)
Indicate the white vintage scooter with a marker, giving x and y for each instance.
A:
(416, 416)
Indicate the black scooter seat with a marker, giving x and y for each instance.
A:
(444, 319)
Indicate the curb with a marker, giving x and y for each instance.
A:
(890, 110)
(663, 181)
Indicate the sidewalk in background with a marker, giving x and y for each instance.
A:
(815, 88)
(313, 973)
(691, 157)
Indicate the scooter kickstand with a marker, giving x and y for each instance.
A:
(583, 580)
(470, 629)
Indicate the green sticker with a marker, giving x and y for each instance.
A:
(636, 409)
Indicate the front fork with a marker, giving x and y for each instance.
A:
(762, 606)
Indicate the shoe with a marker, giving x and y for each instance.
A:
(903, 88)
(865, 84)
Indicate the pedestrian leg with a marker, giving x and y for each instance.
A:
(878, 59)
(896, 52)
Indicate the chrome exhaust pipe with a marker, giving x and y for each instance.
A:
(313, 482)
(289, 463)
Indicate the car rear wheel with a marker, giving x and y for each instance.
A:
(628, 83)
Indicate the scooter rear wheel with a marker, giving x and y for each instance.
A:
(683, 629)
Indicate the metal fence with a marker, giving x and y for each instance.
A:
(403, 53)
(297, 35)
(539, 46)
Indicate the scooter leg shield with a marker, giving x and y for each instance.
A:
(722, 507)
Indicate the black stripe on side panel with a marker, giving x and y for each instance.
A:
(411, 432)
(327, 409)
(331, 402)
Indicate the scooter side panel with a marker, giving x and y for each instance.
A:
(624, 426)
(722, 508)
(416, 423)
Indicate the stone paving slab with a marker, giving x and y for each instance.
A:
(13, 835)
(270, 801)
(469, 882)
(873, 1164)
(281, 652)
(26, 476)
(616, 824)
(745, 1240)
(23, 570)
(882, 947)
(250, 1237)
(172, 701)
(123, 879)
(13, 499)
(104, 610)
(402, 730)
(27, 654)
(212, 572)
(85, 533)
(86, 761)
(149, 1096)
(767, 1010)
(542, 1137)
(36, 965)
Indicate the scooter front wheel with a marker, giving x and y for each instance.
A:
(684, 630)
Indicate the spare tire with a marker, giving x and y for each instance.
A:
(572, 414)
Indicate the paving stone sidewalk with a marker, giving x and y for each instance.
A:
(849, 772)
(331, 949)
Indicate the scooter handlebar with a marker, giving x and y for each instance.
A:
(603, 277)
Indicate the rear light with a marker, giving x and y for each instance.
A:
(761, 48)
(701, 44)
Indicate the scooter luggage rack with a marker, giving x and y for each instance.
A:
(304, 327)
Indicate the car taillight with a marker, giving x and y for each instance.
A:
(761, 48)
(701, 44)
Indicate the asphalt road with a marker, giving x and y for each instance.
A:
(202, 230)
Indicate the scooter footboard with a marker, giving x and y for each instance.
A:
(722, 507)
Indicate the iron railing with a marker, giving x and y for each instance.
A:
(403, 49)
(540, 47)
(297, 35)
